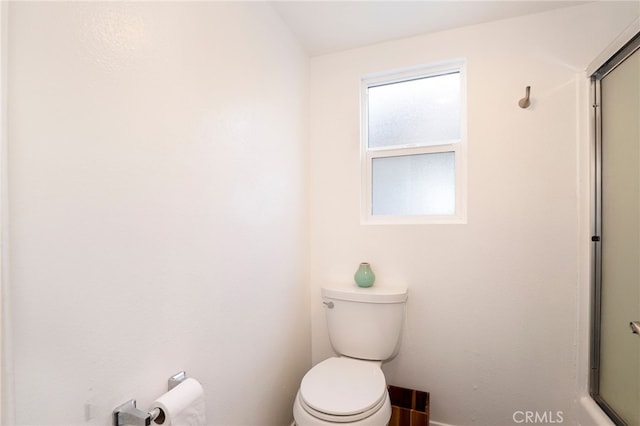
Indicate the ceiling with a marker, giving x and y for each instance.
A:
(330, 26)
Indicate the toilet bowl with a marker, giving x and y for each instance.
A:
(350, 389)
(343, 390)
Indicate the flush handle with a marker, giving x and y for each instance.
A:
(328, 304)
(635, 327)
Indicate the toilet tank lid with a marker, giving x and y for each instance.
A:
(375, 294)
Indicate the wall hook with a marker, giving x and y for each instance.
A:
(525, 102)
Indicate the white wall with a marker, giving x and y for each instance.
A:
(492, 313)
(3, 203)
(158, 202)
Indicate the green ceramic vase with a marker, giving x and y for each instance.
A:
(364, 275)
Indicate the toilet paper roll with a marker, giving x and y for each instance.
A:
(182, 405)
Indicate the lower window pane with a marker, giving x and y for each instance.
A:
(422, 184)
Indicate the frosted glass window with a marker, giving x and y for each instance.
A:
(414, 145)
(423, 184)
(422, 111)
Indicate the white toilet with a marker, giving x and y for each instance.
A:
(364, 326)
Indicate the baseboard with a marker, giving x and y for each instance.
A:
(432, 423)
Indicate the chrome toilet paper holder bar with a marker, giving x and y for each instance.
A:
(176, 379)
(129, 414)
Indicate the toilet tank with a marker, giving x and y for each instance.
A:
(365, 323)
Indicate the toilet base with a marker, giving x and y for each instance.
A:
(379, 418)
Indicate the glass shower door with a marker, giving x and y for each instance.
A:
(618, 377)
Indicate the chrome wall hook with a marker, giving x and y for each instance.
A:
(526, 101)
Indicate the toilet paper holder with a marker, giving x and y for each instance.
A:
(129, 414)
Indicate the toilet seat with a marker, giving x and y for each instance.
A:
(332, 418)
(343, 390)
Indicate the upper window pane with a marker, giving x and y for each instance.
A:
(421, 111)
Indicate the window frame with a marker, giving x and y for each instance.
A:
(457, 146)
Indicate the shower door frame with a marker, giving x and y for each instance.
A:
(631, 47)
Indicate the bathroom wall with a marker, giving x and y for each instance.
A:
(158, 208)
(493, 304)
(3, 192)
